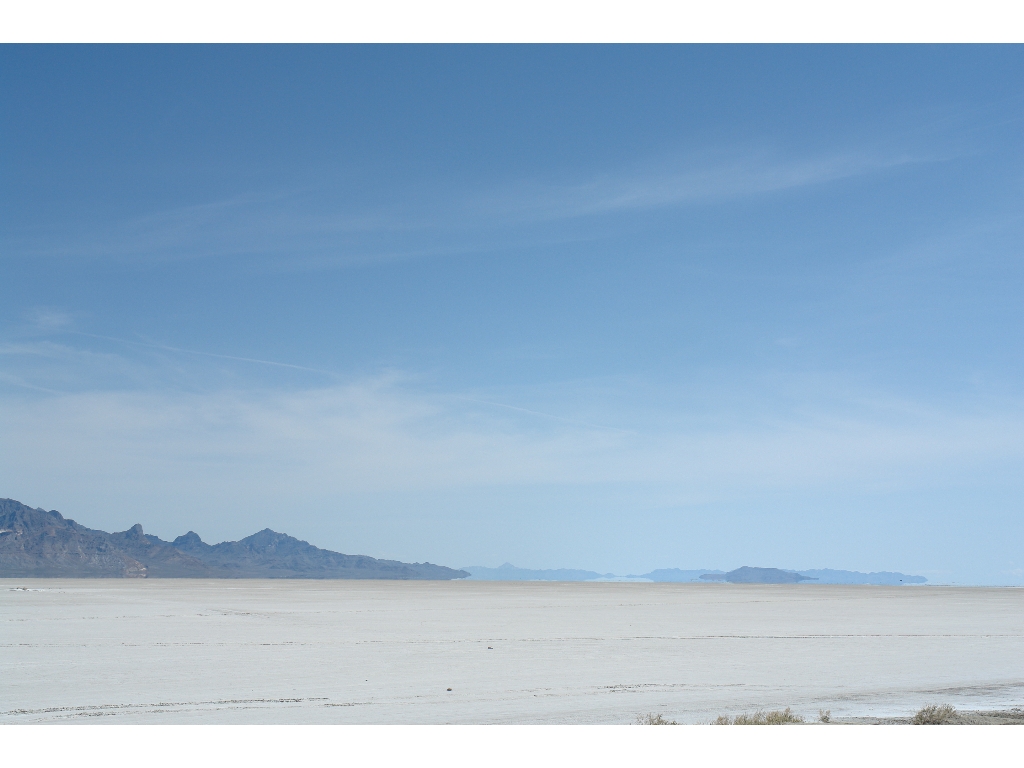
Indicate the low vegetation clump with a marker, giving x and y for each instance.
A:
(772, 717)
(825, 715)
(650, 719)
(934, 714)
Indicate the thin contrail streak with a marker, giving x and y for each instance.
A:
(332, 373)
(206, 354)
(19, 382)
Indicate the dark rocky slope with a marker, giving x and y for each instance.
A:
(269, 554)
(34, 542)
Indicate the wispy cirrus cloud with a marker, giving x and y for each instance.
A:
(384, 433)
(333, 225)
(49, 319)
(250, 224)
(707, 178)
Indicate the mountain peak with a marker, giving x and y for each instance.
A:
(189, 541)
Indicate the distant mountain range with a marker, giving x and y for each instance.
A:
(34, 542)
(744, 575)
(37, 543)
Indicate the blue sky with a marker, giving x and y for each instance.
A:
(616, 308)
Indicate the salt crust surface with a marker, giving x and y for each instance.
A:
(192, 651)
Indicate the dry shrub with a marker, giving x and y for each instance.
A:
(773, 717)
(934, 714)
(825, 715)
(650, 719)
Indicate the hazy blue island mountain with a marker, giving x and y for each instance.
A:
(748, 575)
(881, 578)
(37, 543)
(744, 575)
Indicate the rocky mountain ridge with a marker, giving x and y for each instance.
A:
(37, 543)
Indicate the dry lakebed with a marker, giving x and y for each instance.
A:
(304, 651)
